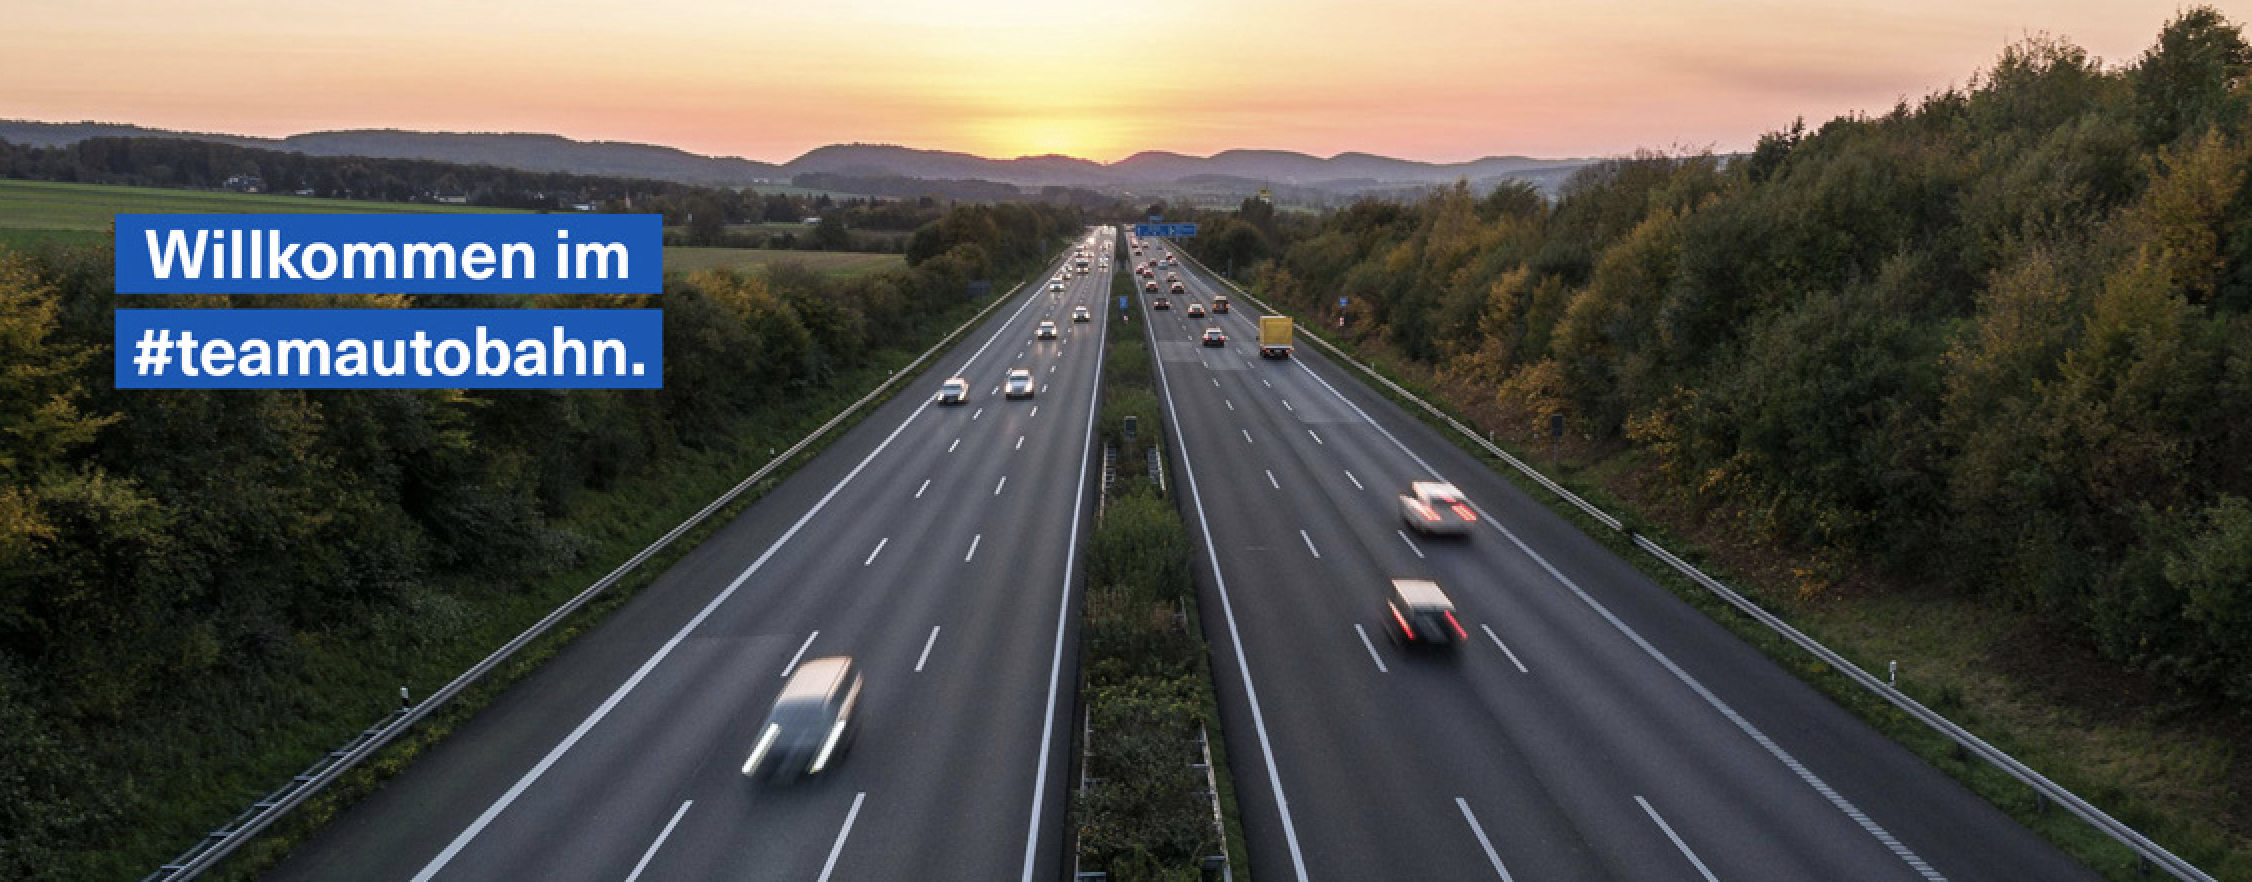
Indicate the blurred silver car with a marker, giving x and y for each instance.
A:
(954, 391)
(1421, 614)
(1437, 509)
(1018, 385)
(813, 721)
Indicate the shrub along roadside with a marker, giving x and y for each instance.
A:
(202, 590)
(1945, 691)
(1146, 816)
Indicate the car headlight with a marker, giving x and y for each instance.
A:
(758, 754)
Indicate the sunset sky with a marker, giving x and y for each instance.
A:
(1440, 80)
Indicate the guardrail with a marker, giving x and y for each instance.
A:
(2151, 853)
(263, 813)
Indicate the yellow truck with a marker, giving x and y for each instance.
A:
(1274, 336)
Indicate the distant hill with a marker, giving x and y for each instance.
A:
(529, 152)
(1150, 172)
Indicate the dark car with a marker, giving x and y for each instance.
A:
(1220, 303)
(813, 721)
(1161, 303)
(1421, 614)
(1215, 337)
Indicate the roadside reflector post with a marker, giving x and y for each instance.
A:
(1892, 673)
(404, 702)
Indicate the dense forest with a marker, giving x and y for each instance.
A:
(1997, 340)
(169, 562)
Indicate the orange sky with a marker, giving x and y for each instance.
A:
(1425, 79)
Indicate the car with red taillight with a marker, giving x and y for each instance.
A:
(1419, 614)
(1437, 509)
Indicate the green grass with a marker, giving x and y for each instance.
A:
(840, 264)
(88, 208)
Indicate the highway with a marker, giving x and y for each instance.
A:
(936, 545)
(1593, 726)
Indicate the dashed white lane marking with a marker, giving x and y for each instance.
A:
(1677, 843)
(1004, 483)
(1247, 437)
(1271, 482)
(1410, 543)
(950, 447)
(927, 644)
(667, 832)
(1229, 403)
(1317, 438)
(802, 647)
(837, 849)
(1504, 648)
(1286, 406)
(973, 545)
(1371, 647)
(980, 412)
(919, 490)
(880, 543)
(1310, 544)
(1356, 481)
(1483, 842)
(1020, 442)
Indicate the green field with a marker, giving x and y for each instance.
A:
(32, 212)
(833, 263)
(87, 208)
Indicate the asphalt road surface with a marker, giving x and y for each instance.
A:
(936, 545)
(1593, 726)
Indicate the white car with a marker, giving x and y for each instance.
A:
(1437, 509)
(1018, 385)
(955, 390)
(1047, 331)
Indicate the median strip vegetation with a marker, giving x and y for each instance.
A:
(1143, 807)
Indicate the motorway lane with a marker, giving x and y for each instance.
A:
(1610, 755)
(619, 758)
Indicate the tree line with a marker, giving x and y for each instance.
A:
(1997, 340)
(172, 564)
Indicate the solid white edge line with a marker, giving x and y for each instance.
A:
(831, 865)
(1483, 842)
(802, 647)
(540, 768)
(927, 644)
(1371, 647)
(1227, 611)
(880, 543)
(1063, 614)
(1490, 635)
(1677, 843)
(661, 836)
(1805, 775)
